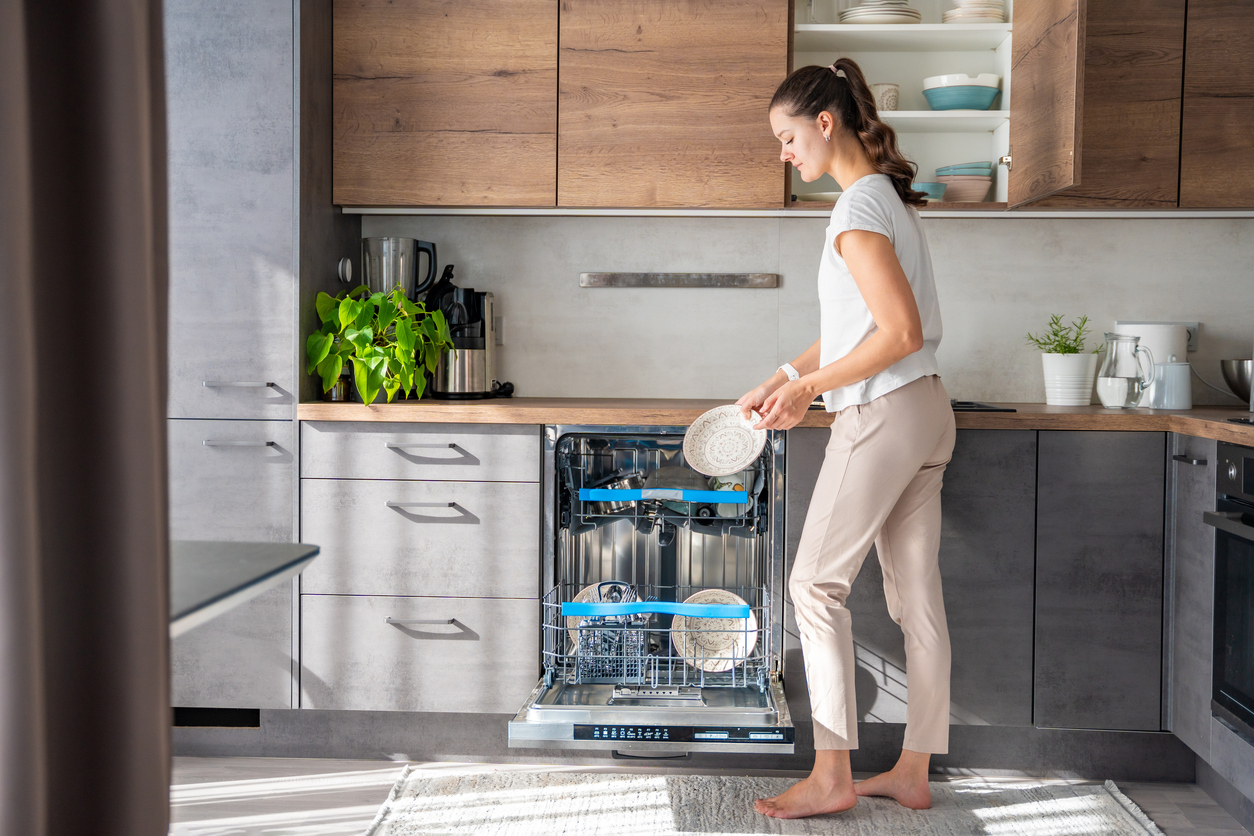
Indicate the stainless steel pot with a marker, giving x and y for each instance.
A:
(627, 482)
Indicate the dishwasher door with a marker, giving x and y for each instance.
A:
(662, 719)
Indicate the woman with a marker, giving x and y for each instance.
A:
(893, 434)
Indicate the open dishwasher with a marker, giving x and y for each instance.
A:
(662, 619)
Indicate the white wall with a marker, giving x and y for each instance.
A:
(997, 278)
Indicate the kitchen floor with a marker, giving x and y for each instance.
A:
(308, 797)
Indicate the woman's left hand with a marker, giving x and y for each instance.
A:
(785, 407)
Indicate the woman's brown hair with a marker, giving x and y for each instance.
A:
(811, 90)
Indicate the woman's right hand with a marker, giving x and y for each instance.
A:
(754, 399)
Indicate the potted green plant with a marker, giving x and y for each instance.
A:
(390, 341)
(1069, 370)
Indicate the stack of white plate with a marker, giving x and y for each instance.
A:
(881, 11)
(976, 11)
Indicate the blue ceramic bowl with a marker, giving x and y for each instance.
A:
(934, 191)
(961, 98)
(966, 168)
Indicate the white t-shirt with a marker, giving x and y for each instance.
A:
(872, 204)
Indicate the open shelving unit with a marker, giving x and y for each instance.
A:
(905, 54)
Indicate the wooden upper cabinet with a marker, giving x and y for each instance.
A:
(445, 102)
(1046, 99)
(664, 103)
(1133, 70)
(1217, 134)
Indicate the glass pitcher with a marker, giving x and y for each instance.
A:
(1120, 382)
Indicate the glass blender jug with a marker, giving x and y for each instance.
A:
(1120, 382)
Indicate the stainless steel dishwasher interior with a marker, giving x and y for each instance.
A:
(636, 686)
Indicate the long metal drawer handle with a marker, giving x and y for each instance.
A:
(213, 442)
(239, 384)
(390, 620)
(421, 504)
(1188, 460)
(1229, 521)
(392, 445)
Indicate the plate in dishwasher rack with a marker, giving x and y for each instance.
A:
(720, 442)
(714, 645)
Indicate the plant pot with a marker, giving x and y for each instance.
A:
(1069, 378)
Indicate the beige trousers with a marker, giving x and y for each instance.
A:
(880, 483)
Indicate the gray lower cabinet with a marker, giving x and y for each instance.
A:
(233, 480)
(986, 560)
(1099, 580)
(1192, 545)
(383, 537)
(377, 653)
(232, 224)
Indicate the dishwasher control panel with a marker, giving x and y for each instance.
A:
(684, 734)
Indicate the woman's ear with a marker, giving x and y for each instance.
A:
(827, 124)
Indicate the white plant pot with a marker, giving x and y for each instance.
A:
(1069, 378)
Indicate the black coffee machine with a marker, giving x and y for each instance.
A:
(468, 370)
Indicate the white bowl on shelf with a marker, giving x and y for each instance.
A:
(962, 80)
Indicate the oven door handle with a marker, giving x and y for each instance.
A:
(1231, 522)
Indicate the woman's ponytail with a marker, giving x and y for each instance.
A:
(841, 90)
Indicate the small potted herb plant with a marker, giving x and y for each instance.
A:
(1069, 369)
(390, 341)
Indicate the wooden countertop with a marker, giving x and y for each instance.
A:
(1205, 422)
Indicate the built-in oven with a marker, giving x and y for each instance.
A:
(1232, 692)
(662, 618)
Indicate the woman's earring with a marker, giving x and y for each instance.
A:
(826, 138)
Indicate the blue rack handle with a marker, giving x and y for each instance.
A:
(673, 494)
(668, 607)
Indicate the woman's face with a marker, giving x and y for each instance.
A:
(802, 143)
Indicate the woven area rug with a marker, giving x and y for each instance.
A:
(562, 802)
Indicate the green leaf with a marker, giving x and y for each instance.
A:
(330, 369)
(357, 291)
(430, 330)
(405, 336)
(410, 308)
(360, 376)
(391, 386)
(316, 349)
(349, 309)
(366, 313)
(432, 359)
(387, 314)
(326, 306)
(442, 326)
(420, 383)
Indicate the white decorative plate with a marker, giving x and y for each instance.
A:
(720, 442)
(714, 645)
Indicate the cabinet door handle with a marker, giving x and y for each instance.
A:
(213, 442)
(1188, 460)
(238, 384)
(421, 504)
(392, 445)
(390, 620)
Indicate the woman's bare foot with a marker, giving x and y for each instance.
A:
(906, 783)
(828, 789)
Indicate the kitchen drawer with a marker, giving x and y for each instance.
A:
(237, 486)
(469, 452)
(404, 538)
(467, 655)
(241, 659)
